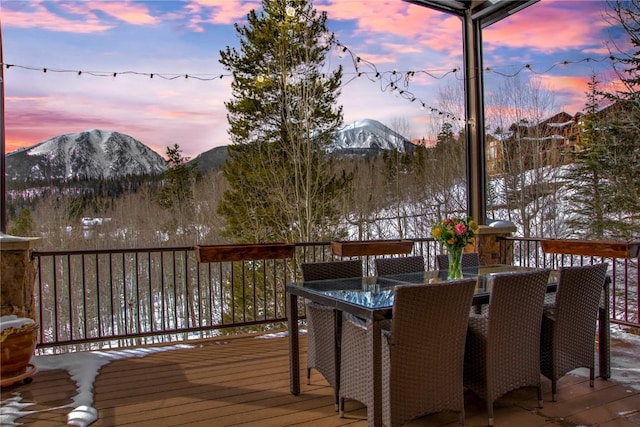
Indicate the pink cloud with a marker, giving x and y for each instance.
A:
(224, 11)
(131, 13)
(375, 58)
(422, 30)
(565, 83)
(400, 48)
(548, 27)
(399, 19)
(38, 16)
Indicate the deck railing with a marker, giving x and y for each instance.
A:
(95, 299)
(623, 270)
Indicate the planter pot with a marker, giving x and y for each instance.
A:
(371, 247)
(227, 253)
(17, 347)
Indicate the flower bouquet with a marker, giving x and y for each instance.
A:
(455, 234)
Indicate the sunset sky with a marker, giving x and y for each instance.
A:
(82, 44)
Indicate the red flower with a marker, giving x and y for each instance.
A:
(460, 229)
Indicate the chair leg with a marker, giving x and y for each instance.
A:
(490, 412)
(461, 418)
(591, 377)
(539, 390)
(308, 376)
(341, 407)
(554, 391)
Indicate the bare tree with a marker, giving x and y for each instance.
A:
(526, 185)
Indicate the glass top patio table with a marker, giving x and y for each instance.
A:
(371, 298)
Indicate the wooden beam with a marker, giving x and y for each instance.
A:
(242, 252)
(371, 247)
(603, 248)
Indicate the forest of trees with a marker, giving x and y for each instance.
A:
(279, 184)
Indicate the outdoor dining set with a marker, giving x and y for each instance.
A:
(407, 342)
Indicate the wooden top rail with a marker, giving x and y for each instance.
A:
(371, 247)
(603, 248)
(243, 252)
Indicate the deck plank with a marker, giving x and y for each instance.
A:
(245, 381)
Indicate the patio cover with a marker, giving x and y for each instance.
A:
(475, 15)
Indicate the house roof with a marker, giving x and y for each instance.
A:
(485, 11)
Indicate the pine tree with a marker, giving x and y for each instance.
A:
(282, 117)
(586, 179)
(622, 159)
(176, 195)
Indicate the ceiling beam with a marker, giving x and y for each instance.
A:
(487, 12)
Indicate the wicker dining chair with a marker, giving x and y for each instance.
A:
(502, 350)
(321, 320)
(422, 366)
(408, 264)
(469, 259)
(569, 325)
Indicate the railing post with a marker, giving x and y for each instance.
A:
(487, 243)
(18, 273)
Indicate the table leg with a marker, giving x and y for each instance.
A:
(604, 334)
(337, 351)
(375, 412)
(294, 345)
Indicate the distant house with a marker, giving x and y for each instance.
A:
(576, 134)
(551, 142)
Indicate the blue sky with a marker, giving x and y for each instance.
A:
(176, 38)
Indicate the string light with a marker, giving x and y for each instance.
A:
(389, 80)
(114, 74)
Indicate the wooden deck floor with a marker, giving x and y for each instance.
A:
(245, 381)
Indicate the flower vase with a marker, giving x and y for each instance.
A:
(455, 268)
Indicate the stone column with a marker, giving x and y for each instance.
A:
(17, 276)
(488, 247)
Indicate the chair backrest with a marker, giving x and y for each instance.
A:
(576, 312)
(469, 259)
(331, 270)
(513, 338)
(408, 264)
(427, 348)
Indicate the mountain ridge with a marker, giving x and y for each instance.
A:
(100, 154)
(91, 154)
(361, 138)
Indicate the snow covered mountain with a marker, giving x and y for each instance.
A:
(103, 154)
(361, 138)
(370, 135)
(92, 154)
